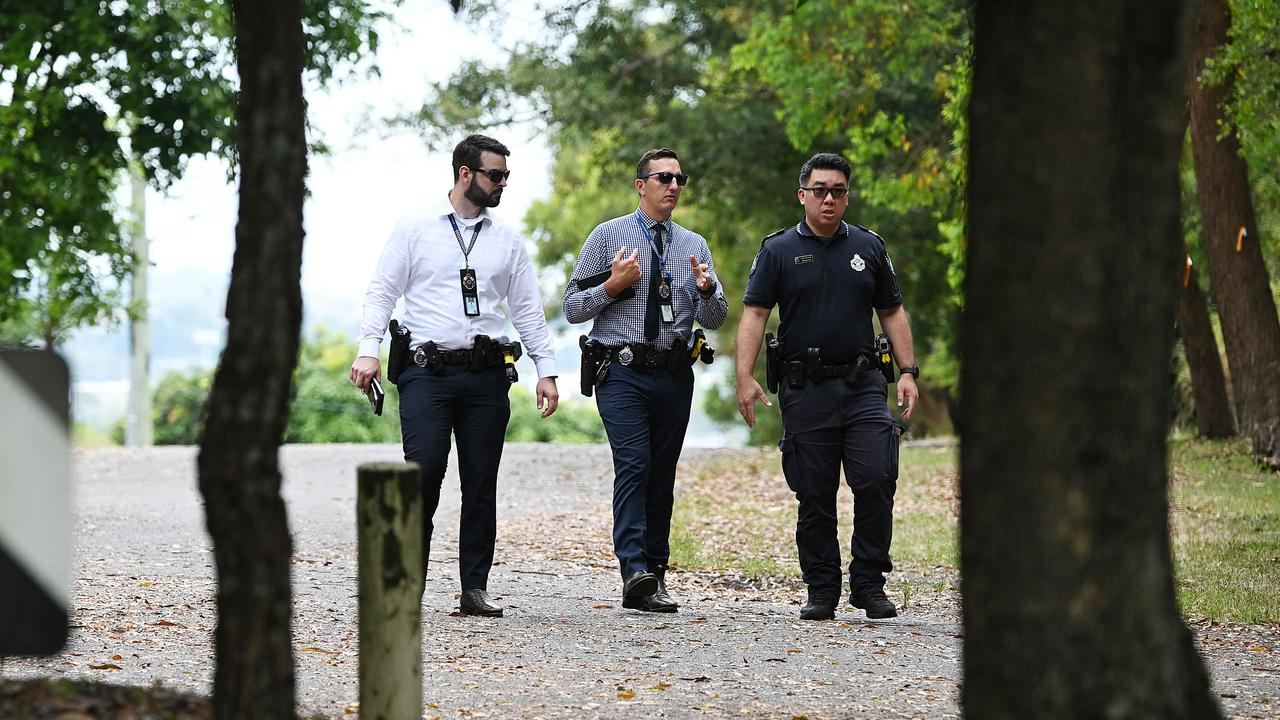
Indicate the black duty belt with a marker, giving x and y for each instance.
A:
(795, 369)
(451, 357)
(647, 358)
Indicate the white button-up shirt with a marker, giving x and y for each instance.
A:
(421, 261)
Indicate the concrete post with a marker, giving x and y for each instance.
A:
(389, 536)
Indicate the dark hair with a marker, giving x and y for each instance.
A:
(824, 161)
(642, 167)
(467, 153)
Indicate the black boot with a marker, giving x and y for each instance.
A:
(873, 600)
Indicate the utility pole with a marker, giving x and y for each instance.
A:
(138, 424)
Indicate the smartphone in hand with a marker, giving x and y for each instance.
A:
(375, 395)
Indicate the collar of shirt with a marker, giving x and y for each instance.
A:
(803, 228)
(649, 222)
(446, 208)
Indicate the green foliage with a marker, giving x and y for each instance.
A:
(573, 422)
(85, 89)
(178, 406)
(893, 87)
(1253, 110)
(729, 87)
(327, 408)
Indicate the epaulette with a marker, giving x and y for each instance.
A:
(873, 232)
(773, 235)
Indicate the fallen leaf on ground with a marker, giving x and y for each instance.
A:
(319, 650)
(626, 695)
(602, 606)
(105, 666)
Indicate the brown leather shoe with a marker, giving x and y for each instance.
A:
(477, 602)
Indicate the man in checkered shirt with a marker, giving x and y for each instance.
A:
(644, 280)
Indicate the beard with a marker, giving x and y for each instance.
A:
(480, 198)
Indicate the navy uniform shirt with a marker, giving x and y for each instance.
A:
(825, 289)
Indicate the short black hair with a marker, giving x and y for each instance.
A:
(467, 153)
(825, 161)
(642, 167)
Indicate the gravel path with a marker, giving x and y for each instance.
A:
(144, 610)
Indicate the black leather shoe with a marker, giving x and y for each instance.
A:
(875, 603)
(477, 602)
(659, 601)
(818, 610)
(639, 586)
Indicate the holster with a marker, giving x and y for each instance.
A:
(699, 349)
(772, 362)
(398, 355)
(510, 352)
(884, 356)
(590, 366)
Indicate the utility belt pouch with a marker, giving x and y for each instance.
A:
(813, 364)
(856, 368)
(428, 356)
(772, 362)
(591, 359)
(398, 355)
(483, 354)
(884, 357)
(794, 374)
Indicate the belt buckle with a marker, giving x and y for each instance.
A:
(626, 356)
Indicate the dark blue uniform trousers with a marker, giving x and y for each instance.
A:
(825, 425)
(645, 416)
(474, 407)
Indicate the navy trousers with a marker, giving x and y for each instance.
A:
(645, 416)
(825, 425)
(474, 408)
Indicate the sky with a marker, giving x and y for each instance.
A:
(371, 179)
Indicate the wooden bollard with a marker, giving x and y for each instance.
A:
(389, 538)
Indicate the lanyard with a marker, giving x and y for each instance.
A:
(662, 256)
(466, 251)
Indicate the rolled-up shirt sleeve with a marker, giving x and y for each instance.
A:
(711, 312)
(583, 304)
(388, 284)
(527, 314)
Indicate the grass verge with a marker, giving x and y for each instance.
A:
(739, 517)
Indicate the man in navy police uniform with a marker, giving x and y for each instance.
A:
(826, 276)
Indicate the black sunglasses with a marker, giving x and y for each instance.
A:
(495, 176)
(821, 192)
(665, 177)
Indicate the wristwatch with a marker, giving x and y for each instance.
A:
(914, 371)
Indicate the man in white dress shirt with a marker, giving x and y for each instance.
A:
(454, 263)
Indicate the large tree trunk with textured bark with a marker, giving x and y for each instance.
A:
(1250, 327)
(1076, 122)
(249, 403)
(1214, 418)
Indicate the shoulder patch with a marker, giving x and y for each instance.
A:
(773, 235)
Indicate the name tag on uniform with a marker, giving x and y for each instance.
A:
(470, 292)
(804, 259)
(666, 309)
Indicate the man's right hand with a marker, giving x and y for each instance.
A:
(624, 272)
(748, 392)
(365, 369)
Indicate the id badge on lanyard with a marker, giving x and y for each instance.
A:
(470, 292)
(666, 310)
(467, 275)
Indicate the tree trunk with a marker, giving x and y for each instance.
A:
(1213, 409)
(1076, 122)
(249, 402)
(1250, 327)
